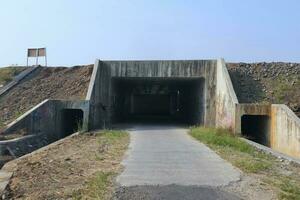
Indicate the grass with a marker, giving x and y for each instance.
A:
(112, 144)
(283, 91)
(249, 159)
(8, 73)
(97, 187)
(227, 144)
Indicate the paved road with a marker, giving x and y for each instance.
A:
(165, 160)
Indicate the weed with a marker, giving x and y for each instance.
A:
(97, 187)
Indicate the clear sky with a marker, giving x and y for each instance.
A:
(79, 31)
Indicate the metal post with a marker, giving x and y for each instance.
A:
(37, 57)
(46, 57)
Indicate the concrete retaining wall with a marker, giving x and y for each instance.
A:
(249, 109)
(17, 79)
(42, 124)
(226, 99)
(285, 130)
(23, 145)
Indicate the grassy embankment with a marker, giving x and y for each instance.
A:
(250, 160)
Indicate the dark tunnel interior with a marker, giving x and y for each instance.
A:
(165, 100)
(256, 128)
(72, 121)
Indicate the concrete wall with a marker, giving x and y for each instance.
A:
(285, 130)
(98, 95)
(226, 99)
(20, 146)
(249, 109)
(42, 123)
(101, 94)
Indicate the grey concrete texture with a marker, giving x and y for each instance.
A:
(226, 99)
(164, 155)
(285, 130)
(43, 125)
(101, 92)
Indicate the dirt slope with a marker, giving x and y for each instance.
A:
(267, 83)
(67, 169)
(45, 83)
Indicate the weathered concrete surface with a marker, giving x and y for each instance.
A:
(46, 118)
(164, 155)
(101, 94)
(42, 124)
(285, 130)
(226, 99)
(249, 109)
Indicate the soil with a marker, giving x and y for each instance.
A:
(61, 169)
(276, 83)
(45, 83)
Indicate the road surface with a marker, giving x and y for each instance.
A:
(164, 162)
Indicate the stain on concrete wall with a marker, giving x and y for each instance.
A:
(285, 130)
(43, 123)
(101, 95)
(226, 99)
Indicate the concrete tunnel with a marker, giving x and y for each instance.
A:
(159, 100)
(181, 92)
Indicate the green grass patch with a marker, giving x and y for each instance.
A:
(232, 148)
(249, 159)
(290, 189)
(8, 73)
(111, 136)
(97, 187)
(221, 138)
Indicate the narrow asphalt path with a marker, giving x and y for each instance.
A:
(164, 162)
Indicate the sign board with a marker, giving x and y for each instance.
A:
(36, 53)
(41, 52)
(31, 52)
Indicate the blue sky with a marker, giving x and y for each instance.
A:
(78, 32)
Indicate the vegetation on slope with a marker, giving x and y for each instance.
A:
(275, 82)
(8, 73)
(284, 179)
(44, 83)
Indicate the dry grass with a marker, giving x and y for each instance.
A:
(81, 167)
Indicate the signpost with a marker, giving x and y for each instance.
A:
(36, 53)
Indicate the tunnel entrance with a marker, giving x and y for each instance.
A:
(256, 128)
(72, 121)
(171, 100)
